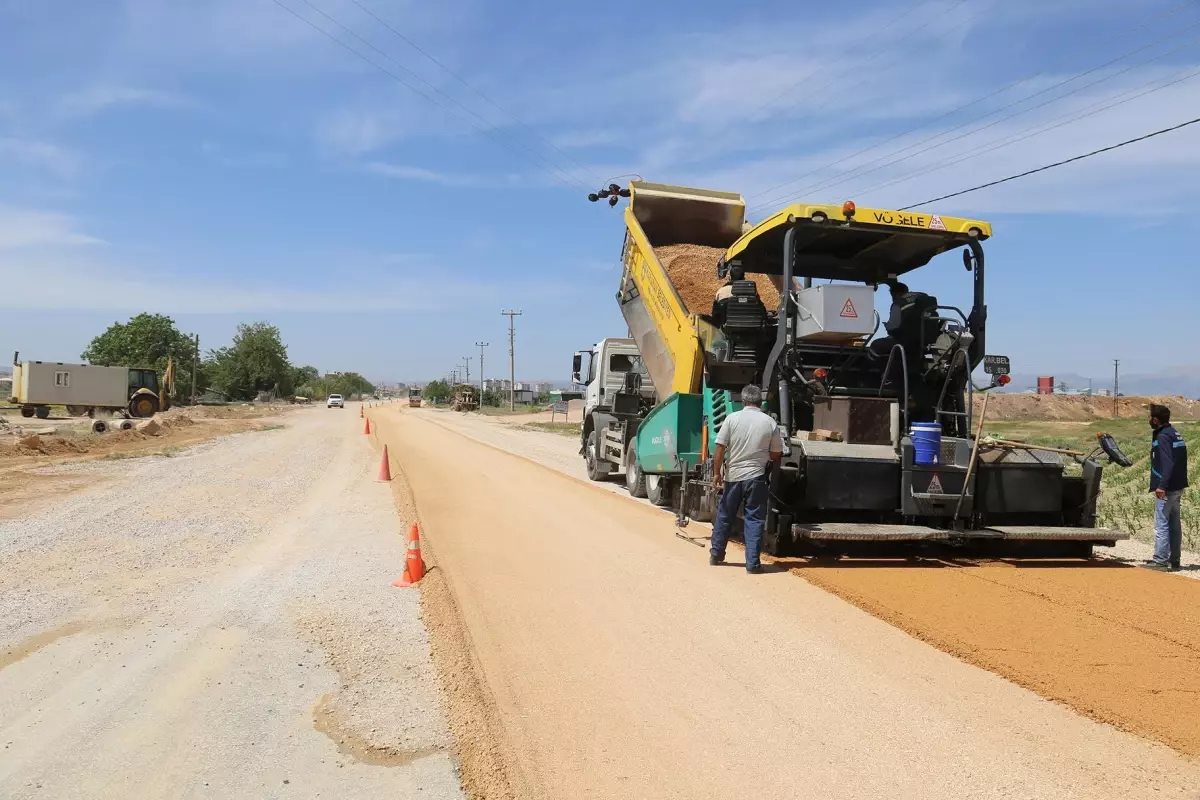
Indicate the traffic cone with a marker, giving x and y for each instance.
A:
(414, 565)
(367, 426)
(385, 469)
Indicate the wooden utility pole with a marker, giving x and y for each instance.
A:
(481, 345)
(512, 368)
(195, 366)
(1116, 386)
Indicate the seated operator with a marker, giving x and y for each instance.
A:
(905, 320)
(725, 294)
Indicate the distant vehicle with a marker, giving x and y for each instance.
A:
(414, 397)
(335, 400)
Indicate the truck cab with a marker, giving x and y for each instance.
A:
(617, 394)
(608, 362)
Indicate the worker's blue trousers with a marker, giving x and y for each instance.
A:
(752, 492)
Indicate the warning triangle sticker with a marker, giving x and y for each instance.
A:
(936, 224)
(848, 310)
(935, 485)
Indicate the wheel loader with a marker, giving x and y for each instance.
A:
(881, 441)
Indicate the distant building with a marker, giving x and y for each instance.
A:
(543, 387)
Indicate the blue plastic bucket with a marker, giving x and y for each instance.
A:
(927, 442)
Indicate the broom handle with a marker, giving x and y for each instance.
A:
(974, 455)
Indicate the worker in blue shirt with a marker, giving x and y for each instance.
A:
(1168, 479)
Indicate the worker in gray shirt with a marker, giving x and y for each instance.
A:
(748, 439)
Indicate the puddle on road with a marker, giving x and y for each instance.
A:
(356, 746)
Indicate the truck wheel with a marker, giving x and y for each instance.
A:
(658, 490)
(635, 479)
(143, 405)
(591, 455)
(27, 411)
(43, 412)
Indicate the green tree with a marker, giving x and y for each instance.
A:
(304, 375)
(436, 392)
(148, 340)
(346, 384)
(255, 362)
(493, 398)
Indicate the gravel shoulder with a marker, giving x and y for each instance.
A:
(219, 623)
(622, 665)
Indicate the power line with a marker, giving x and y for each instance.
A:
(1044, 127)
(477, 91)
(575, 184)
(963, 107)
(1056, 164)
(858, 173)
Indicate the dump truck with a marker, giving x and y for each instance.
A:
(880, 440)
(85, 389)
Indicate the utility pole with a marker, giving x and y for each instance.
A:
(512, 368)
(1116, 384)
(481, 345)
(195, 365)
(467, 364)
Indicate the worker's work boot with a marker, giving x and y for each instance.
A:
(714, 561)
(754, 570)
(1158, 565)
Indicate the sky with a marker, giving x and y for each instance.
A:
(224, 161)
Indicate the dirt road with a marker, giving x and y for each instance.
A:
(219, 624)
(621, 665)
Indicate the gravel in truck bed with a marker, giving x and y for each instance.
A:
(692, 268)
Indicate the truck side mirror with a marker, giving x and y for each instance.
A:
(576, 366)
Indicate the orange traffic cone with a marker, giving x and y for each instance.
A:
(414, 565)
(385, 469)
(367, 426)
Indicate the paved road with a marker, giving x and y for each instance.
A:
(219, 624)
(623, 666)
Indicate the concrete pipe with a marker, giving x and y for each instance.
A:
(122, 424)
(99, 426)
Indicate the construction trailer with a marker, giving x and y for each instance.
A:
(85, 389)
(858, 412)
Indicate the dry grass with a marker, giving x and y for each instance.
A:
(561, 428)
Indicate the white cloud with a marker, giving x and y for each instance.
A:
(23, 228)
(96, 99)
(90, 285)
(39, 154)
(408, 173)
(358, 132)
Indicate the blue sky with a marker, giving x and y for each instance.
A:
(221, 161)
